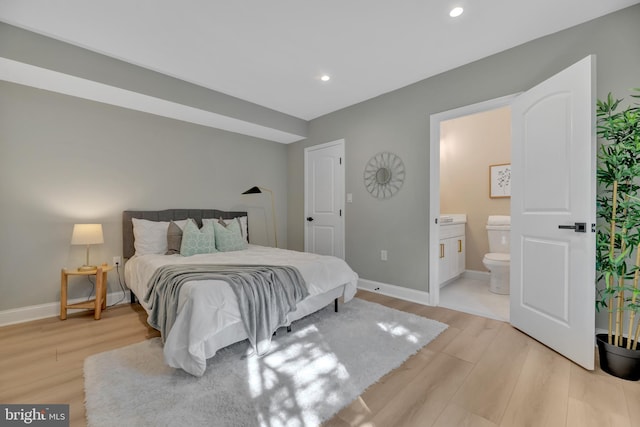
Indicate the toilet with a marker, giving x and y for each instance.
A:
(498, 259)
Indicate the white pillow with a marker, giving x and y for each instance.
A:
(151, 236)
(244, 225)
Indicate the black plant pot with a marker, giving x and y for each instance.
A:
(618, 361)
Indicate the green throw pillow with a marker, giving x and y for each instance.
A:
(194, 241)
(228, 236)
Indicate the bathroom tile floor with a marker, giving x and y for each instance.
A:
(472, 295)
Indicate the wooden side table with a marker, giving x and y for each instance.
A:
(97, 304)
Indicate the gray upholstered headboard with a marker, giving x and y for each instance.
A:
(128, 249)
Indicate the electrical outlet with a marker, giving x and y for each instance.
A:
(383, 255)
(117, 260)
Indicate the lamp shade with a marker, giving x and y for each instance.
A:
(87, 234)
(253, 190)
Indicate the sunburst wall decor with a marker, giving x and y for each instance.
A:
(384, 175)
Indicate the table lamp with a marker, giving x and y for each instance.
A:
(87, 234)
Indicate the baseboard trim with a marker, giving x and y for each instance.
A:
(52, 309)
(407, 294)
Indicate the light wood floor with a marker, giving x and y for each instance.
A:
(479, 372)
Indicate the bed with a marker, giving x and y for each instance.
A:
(208, 315)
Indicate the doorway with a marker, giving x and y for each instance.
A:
(470, 282)
(552, 272)
(469, 146)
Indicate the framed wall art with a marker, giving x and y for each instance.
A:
(500, 180)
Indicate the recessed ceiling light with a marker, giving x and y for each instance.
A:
(325, 78)
(456, 11)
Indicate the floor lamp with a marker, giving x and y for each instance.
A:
(260, 190)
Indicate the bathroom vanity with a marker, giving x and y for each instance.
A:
(452, 247)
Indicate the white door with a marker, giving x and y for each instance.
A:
(553, 173)
(324, 199)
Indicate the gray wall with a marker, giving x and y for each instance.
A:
(65, 160)
(399, 122)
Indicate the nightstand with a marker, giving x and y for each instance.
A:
(97, 304)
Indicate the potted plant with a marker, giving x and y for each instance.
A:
(618, 235)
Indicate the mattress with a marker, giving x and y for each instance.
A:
(208, 316)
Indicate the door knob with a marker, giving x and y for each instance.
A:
(579, 227)
(309, 219)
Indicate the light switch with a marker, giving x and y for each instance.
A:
(349, 197)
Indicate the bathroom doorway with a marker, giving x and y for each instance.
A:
(548, 264)
(471, 139)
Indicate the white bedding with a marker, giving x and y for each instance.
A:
(208, 316)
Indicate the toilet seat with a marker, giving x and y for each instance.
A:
(497, 257)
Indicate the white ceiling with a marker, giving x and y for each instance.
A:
(272, 53)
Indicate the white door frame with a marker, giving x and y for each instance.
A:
(340, 143)
(434, 180)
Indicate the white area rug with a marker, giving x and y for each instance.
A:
(327, 361)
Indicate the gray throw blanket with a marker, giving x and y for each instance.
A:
(266, 295)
